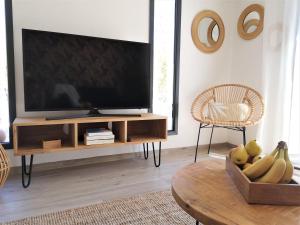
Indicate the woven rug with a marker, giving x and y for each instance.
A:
(145, 209)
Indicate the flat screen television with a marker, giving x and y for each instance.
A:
(74, 72)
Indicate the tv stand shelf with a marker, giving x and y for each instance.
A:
(30, 133)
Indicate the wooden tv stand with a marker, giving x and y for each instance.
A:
(30, 133)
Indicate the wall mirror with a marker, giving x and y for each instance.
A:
(208, 31)
(251, 22)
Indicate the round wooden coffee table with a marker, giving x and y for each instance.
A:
(206, 192)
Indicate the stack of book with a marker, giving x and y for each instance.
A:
(98, 136)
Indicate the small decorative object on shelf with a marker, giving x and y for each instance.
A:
(4, 166)
(98, 136)
(51, 144)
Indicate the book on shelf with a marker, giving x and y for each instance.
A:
(98, 131)
(98, 142)
(99, 137)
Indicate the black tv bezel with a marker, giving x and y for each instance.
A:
(149, 106)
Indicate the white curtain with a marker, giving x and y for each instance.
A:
(281, 72)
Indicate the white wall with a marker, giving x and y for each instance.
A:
(199, 70)
(246, 66)
(128, 19)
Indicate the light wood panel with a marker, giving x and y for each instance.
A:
(43, 121)
(75, 135)
(119, 130)
(206, 192)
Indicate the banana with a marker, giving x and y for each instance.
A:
(256, 158)
(246, 165)
(276, 172)
(261, 166)
(287, 177)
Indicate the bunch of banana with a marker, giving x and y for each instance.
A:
(273, 168)
(261, 166)
(287, 177)
(277, 170)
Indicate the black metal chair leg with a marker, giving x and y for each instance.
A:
(154, 156)
(244, 135)
(242, 129)
(211, 134)
(25, 172)
(146, 151)
(197, 222)
(196, 151)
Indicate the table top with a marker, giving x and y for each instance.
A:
(205, 191)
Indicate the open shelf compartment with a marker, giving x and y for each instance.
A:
(117, 127)
(146, 130)
(32, 137)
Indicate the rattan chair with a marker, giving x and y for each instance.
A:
(4, 166)
(227, 94)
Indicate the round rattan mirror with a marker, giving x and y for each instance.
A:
(251, 22)
(208, 31)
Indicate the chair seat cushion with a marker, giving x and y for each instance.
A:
(228, 112)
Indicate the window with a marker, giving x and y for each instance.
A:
(7, 102)
(4, 112)
(165, 38)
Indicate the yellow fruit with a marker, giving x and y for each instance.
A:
(246, 165)
(261, 166)
(256, 158)
(287, 177)
(239, 155)
(253, 148)
(276, 172)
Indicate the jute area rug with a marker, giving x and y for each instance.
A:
(145, 209)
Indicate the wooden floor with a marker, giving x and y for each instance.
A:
(64, 188)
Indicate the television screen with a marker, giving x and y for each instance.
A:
(68, 72)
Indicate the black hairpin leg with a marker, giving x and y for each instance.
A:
(242, 129)
(196, 152)
(197, 222)
(25, 172)
(211, 134)
(146, 151)
(154, 156)
(244, 135)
